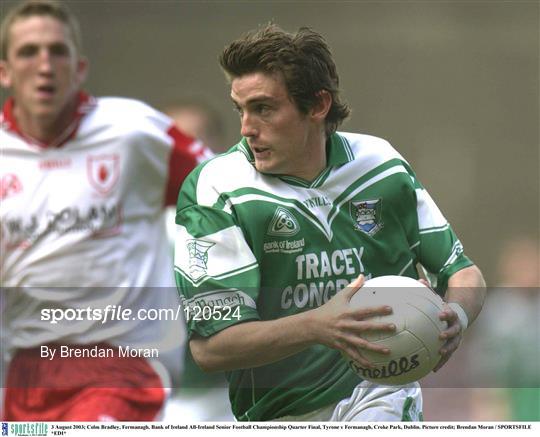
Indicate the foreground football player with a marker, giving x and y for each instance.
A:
(275, 237)
(83, 185)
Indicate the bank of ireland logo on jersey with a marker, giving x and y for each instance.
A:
(103, 171)
(198, 258)
(283, 224)
(366, 215)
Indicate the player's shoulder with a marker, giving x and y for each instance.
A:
(370, 152)
(364, 146)
(223, 173)
(121, 112)
(130, 106)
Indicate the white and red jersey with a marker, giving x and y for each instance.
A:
(82, 226)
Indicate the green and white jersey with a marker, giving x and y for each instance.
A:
(251, 246)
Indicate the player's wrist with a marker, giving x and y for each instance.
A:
(461, 314)
(313, 326)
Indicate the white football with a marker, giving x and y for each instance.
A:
(414, 346)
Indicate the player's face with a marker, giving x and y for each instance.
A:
(279, 135)
(42, 68)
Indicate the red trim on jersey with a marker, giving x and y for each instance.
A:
(184, 157)
(85, 103)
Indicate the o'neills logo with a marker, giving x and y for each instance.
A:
(392, 368)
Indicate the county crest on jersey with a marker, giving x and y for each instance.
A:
(366, 215)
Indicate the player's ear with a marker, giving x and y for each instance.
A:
(82, 69)
(5, 76)
(321, 107)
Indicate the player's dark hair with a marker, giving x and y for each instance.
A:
(32, 8)
(303, 59)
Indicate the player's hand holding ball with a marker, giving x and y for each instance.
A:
(414, 345)
(342, 327)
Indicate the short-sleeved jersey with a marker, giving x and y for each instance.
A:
(268, 246)
(82, 225)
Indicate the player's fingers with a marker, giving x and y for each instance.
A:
(372, 326)
(424, 282)
(447, 350)
(441, 363)
(353, 351)
(448, 314)
(358, 327)
(368, 312)
(359, 343)
(359, 360)
(451, 345)
(450, 318)
(354, 286)
(452, 331)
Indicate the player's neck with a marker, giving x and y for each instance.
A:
(314, 160)
(312, 170)
(46, 129)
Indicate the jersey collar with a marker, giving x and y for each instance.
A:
(338, 152)
(85, 104)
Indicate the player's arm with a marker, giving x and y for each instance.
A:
(468, 289)
(465, 298)
(256, 343)
(450, 272)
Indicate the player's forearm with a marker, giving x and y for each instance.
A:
(254, 344)
(467, 288)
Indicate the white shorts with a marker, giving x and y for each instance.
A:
(371, 403)
(376, 403)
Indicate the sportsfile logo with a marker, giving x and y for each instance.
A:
(25, 429)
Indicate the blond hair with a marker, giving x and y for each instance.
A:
(32, 8)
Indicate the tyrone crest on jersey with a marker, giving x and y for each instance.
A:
(283, 224)
(103, 171)
(367, 215)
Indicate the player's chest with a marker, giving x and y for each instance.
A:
(294, 224)
(59, 178)
(61, 192)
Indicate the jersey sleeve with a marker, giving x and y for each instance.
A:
(216, 272)
(439, 250)
(186, 153)
(165, 154)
